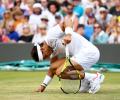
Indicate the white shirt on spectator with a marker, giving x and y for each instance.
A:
(35, 19)
(37, 38)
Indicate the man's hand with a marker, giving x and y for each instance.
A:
(41, 89)
(66, 39)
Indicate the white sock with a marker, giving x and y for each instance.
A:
(89, 76)
(47, 80)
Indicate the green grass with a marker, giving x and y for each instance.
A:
(21, 85)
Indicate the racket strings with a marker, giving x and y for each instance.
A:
(70, 86)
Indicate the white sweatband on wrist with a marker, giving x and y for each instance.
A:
(68, 30)
(47, 80)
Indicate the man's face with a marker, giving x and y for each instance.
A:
(46, 50)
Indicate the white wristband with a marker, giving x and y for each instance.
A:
(68, 30)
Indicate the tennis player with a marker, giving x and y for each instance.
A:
(83, 55)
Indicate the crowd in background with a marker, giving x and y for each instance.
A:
(24, 21)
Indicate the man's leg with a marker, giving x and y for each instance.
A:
(94, 79)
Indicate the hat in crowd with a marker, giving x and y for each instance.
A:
(58, 16)
(102, 9)
(37, 5)
(45, 17)
(89, 6)
(42, 25)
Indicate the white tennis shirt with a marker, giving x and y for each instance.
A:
(80, 49)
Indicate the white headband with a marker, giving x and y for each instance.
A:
(40, 55)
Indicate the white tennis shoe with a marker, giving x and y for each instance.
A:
(95, 83)
(84, 86)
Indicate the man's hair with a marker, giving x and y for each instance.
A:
(81, 26)
(34, 54)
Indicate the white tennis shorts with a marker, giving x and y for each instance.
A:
(86, 58)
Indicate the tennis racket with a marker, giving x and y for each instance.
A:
(69, 83)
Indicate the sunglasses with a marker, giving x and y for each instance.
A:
(44, 20)
(102, 12)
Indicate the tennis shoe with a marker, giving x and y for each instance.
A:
(95, 83)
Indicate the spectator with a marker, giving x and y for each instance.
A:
(12, 34)
(114, 37)
(103, 18)
(53, 8)
(7, 17)
(44, 4)
(45, 20)
(78, 9)
(27, 36)
(18, 17)
(72, 16)
(58, 18)
(99, 36)
(41, 33)
(80, 29)
(2, 9)
(115, 10)
(89, 27)
(36, 16)
(88, 11)
(112, 25)
(3, 37)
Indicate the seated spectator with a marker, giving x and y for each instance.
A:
(44, 4)
(18, 17)
(88, 11)
(99, 36)
(115, 10)
(58, 18)
(19, 28)
(72, 16)
(80, 29)
(53, 8)
(114, 37)
(7, 17)
(112, 25)
(41, 33)
(103, 18)
(3, 37)
(27, 36)
(36, 16)
(89, 29)
(45, 20)
(12, 34)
